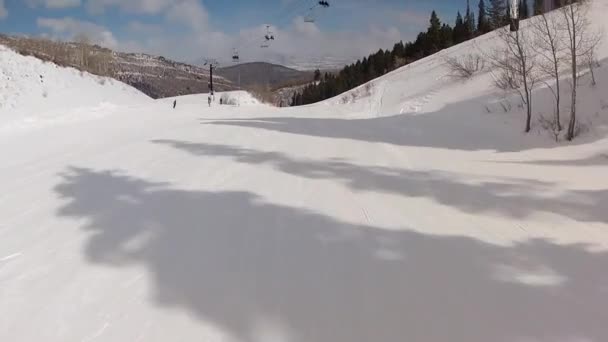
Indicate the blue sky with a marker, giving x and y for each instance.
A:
(192, 29)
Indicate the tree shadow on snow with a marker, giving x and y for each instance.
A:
(595, 160)
(427, 130)
(517, 198)
(463, 125)
(260, 270)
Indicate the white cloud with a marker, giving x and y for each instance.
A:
(298, 44)
(132, 6)
(3, 10)
(302, 27)
(53, 4)
(143, 28)
(68, 28)
(190, 13)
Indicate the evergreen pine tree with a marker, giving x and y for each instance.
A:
(398, 50)
(483, 25)
(524, 9)
(433, 34)
(446, 36)
(497, 13)
(469, 23)
(539, 7)
(458, 34)
(472, 27)
(438, 36)
(317, 75)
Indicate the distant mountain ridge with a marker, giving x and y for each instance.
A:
(264, 74)
(160, 77)
(156, 76)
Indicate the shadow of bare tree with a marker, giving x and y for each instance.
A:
(235, 260)
(596, 160)
(402, 130)
(517, 198)
(471, 124)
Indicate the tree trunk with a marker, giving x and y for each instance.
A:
(572, 123)
(529, 110)
(573, 52)
(557, 100)
(591, 61)
(526, 86)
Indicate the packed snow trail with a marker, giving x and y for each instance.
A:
(189, 224)
(342, 221)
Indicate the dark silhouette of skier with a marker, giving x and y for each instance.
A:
(174, 104)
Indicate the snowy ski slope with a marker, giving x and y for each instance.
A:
(418, 213)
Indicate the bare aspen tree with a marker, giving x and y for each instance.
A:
(65, 54)
(516, 64)
(581, 43)
(591, 59)
(549, 47)
(84, 49)
(101, 62)
(60, 55)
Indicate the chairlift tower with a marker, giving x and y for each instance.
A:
(212, 63)
(236, 59)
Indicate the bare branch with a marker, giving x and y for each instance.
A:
(465, 67)
(581, 46)
(517, 70)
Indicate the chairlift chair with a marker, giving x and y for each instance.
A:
(268, 37)
(310, 17)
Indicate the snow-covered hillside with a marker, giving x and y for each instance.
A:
(418, 213)
(32, 91)
(156, 76)
(428, 87)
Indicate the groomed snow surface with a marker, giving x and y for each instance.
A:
(418, 213)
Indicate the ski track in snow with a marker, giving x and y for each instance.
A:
(10, 257)
(417, 105)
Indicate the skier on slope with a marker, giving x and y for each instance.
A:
(209, 100)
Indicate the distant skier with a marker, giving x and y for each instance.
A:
(174, 104)
(221, 101)
(209, 100)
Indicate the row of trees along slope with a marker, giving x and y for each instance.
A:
(491, 15)
(551, 46)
